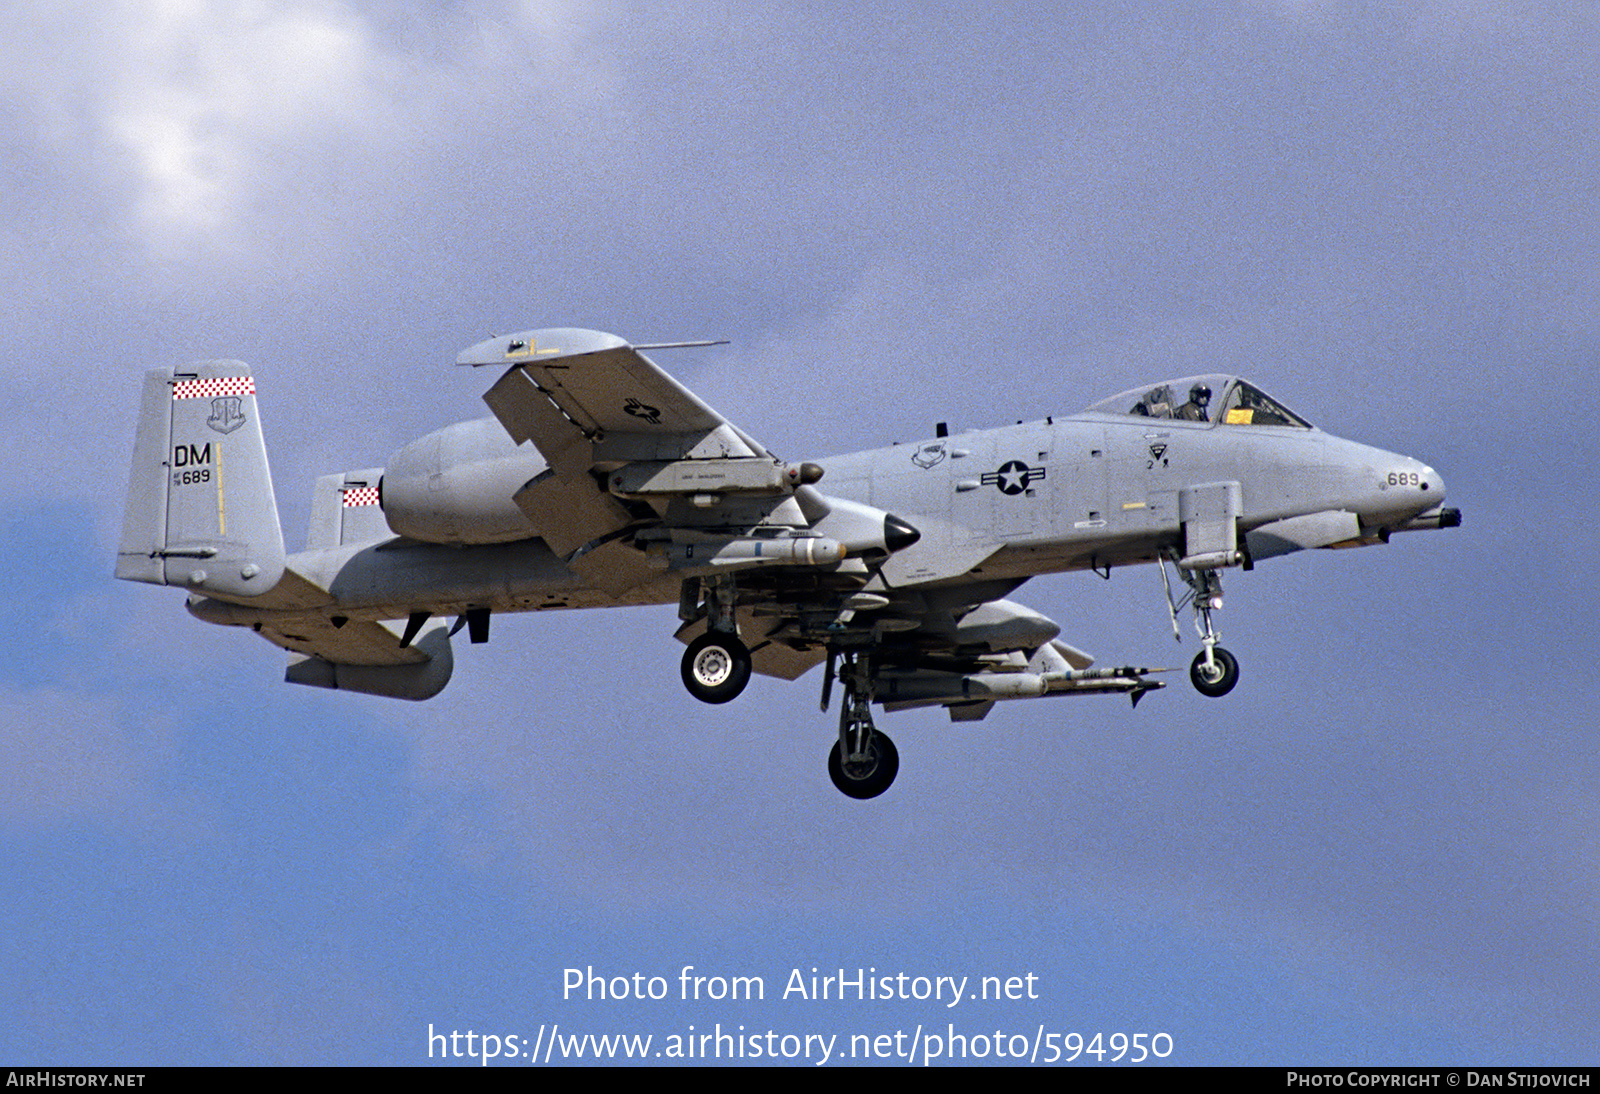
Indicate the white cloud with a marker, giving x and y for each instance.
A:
(213, 95)
(211, 126)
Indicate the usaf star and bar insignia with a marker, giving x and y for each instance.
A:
(1014, 477)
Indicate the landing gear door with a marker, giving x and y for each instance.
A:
(1209, 513)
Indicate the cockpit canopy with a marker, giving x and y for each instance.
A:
(1211, 398)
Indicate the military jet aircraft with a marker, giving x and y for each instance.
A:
(600, 481)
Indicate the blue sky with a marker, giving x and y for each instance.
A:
(1380, 848)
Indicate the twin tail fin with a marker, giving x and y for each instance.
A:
(201, 512)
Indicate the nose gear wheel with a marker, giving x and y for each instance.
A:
(1214, 671)
(1217, 677)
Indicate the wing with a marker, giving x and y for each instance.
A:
(599, 388)
(627, 447)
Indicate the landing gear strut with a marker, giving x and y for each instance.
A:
(1214, 671)
(863, 761)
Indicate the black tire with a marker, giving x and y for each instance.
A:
(869, 778)
(1220, 682)
(716, 667)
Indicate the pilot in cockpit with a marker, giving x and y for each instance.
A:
(1195, 410)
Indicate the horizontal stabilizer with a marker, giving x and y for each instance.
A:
(367, 657)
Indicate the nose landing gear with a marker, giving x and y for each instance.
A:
(1214, 671)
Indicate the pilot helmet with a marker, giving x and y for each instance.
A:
(1200, 394)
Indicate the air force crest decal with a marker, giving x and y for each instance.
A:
(225, 414)
(929, 454)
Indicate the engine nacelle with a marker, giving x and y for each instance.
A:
(456, 485)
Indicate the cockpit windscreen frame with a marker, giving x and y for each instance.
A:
(1207, 399)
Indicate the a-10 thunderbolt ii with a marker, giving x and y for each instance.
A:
(601, 481)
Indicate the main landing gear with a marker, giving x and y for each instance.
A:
(1214, 671)
(863, 761)
(716, 667)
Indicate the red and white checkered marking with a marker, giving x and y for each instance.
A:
(211, 388)
(357, 496)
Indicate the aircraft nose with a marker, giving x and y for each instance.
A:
(1431, 483)
(1429, 490)
(1405, 488)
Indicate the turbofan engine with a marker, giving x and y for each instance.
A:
(456, 485)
